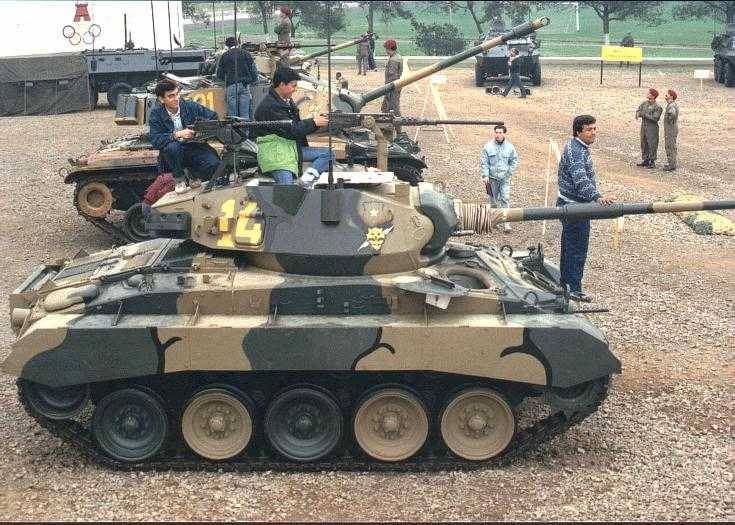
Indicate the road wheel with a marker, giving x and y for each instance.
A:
(94, 199)
(391, 424)
(217, 424)
(115, 90)
(536, 73)
(130, 425)
(303, 424)
(55, 403)
(477, 424)
(134, 224)
(729, 74)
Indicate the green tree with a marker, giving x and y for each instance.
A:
(720, 10)
(613, 10)
(313, 15)
(261, 9)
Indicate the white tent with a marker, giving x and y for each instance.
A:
(37, 27)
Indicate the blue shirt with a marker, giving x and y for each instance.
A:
(577, 174)
(498, 161)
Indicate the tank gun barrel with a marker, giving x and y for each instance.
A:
(359, 101)
(481, 218)
(295, 61)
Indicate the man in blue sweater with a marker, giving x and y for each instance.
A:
(168, 130)
(577, 184)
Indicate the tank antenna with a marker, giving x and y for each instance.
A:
(170, 43)
(155, 48)
(330, 177)
(214, 26)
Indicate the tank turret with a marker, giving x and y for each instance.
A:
(373, 228)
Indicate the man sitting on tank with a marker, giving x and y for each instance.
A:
(283, 147)
(168, 132)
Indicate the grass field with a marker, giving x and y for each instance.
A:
(558, 39)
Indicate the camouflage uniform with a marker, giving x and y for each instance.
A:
(650, 113)
(283, 30)
(671, 130)
(363, 53)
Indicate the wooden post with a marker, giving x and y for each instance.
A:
(640, 70)
(601, 63)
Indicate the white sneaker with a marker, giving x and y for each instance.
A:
(506, 227)
(308, 178)
(182, 187)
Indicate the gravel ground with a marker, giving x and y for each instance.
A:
(661, 447)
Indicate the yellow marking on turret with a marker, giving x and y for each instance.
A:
(223, 223)
(249, 231)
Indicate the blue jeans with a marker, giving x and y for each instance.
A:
(575, 238)
(499, 192)
(179, 155)
(238, 100)
(319, 158)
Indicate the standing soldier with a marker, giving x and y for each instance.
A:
(393, 71)
(284, 26)
(514, 71)
(649, 112)
(363, 54)
(671, 128)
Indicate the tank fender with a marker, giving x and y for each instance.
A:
(570, 356)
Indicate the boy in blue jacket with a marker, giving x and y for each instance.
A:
(168, 130)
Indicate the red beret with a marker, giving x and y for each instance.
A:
(286, 10)
(672, 94)
(653, 92)
(390, 44)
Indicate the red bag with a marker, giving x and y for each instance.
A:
(160, 187)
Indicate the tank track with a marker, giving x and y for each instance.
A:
(118, 234)
(525, 441)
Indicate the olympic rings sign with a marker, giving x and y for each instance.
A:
(88, 37)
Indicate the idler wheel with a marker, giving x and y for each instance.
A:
(477, 424)
(55, 403)
(134, 224)
(130, 425)
(303, 424)
(95, 199)
(391, 424)
(216, 424)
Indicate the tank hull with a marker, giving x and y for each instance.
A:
(167, 322)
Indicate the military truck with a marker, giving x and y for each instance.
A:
(723, 47)
(120, 71)
(492, 65)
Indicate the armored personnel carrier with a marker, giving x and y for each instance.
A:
(115, 176)
(339, 327)
(492, 65)
(723, 47)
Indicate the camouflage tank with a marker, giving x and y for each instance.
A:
(116, 175)
(339, 327)
(723, 47)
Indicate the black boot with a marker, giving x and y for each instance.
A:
(651, 164)
(643, 164)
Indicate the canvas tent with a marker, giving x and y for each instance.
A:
(44, 84)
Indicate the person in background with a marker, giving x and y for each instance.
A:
(498, 162)
(577, 184)
(363, 53)
(393, 71)
(342, 81)
(671, 128)
(649, 112)
(284, 26)
(514, 70)
(237, 69)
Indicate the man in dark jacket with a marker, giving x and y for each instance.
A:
(278, 105)
(168, 129)
(237, 69)
(514, 69)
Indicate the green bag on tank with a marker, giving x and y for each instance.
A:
(277, 153)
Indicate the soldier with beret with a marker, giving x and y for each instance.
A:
(649, 112)
(393, 71)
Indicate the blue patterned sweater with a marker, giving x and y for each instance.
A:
(576, 174)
